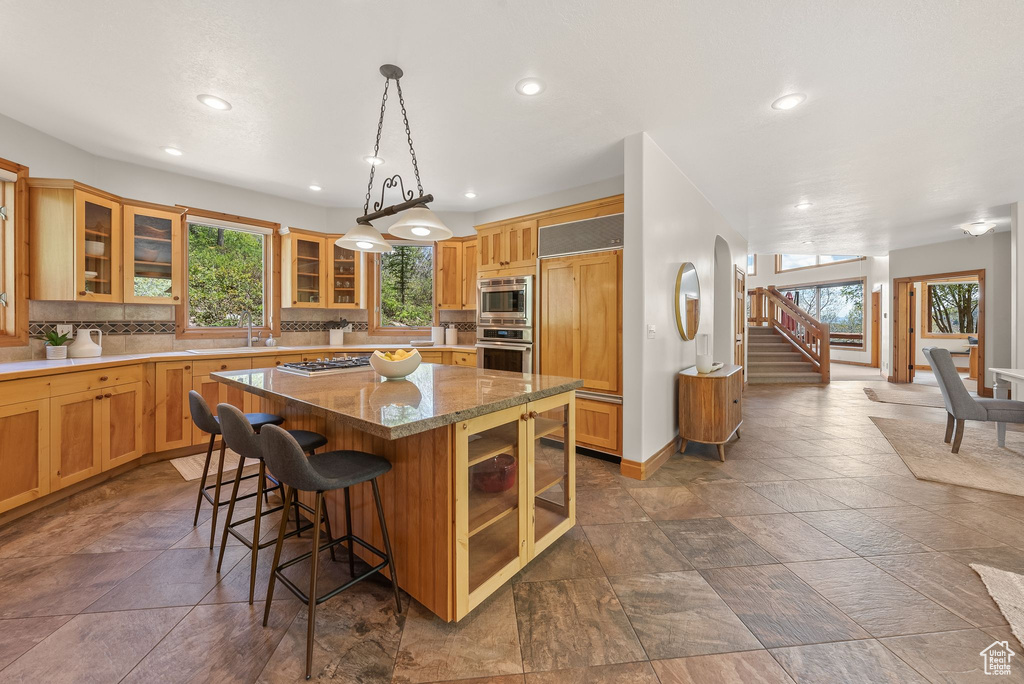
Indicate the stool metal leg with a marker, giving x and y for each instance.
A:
(202, 483)
(387, 544)
(255, 527)
(289, 496)
(313, 569)
(330, 535)
(348, 531)
(231, 511)
(216, 494)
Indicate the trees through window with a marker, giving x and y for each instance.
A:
(226, 276)
(405, 282)
(841, 305)
(952, 308)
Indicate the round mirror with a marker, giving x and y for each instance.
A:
(687, 301)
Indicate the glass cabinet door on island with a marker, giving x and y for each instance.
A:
(152, 255)
(552, 435)
(344, 278)
(98, 237)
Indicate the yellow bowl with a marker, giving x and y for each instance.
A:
(395, 369)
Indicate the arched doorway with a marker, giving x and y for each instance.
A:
(724, 337)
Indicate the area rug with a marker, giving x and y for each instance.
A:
(981, 463)
(906, 397)
(191, 467)
(1007, 590)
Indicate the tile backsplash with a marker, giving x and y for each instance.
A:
(149, 328)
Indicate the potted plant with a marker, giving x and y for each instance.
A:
(55, 348)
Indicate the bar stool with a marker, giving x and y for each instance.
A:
(327, 471)
(240, 435)
(207, 422)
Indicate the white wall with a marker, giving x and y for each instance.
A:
(990, 252)
(668, 221)
(554, 200)
(875, 271)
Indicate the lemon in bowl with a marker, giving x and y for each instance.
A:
(396, 364)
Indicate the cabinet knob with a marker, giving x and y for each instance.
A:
(188, 367)
(98, 397)
(108, 395)
(735, 401)
(82, 293)
(176, 298)
(103, 378)
(223, 366)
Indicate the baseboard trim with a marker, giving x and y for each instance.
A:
(867, 364)
(641, 470)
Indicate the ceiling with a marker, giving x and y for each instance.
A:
(913, 119)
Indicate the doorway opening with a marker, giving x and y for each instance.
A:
(940, 310)
(724, 339)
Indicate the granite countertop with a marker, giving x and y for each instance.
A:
(41, 367)
(433, 396)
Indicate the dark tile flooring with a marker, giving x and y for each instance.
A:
(811, 555)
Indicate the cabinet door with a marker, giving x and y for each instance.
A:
(24, 452)
(153, 267)
(215, 392)
(98, 230)
(76, 437)
(558, 318)
(307, 271)
(469, 248)
(344, 279)
(598, 348)
(490, 504)
(122, 425)
(491, 249)
(551, 434)
(598, 425)
(449, 274)
(173, 422)
(522, 244)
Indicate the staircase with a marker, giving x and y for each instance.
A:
(772, 359)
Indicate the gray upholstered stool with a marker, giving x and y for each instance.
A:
(240, 435)
(328, 471)
(207, 422)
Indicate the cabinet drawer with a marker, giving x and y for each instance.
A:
(431, 356)
(207, 366)
(599, 425)
(70, 383)
(267, 362)
(18, 391)
(464, 358)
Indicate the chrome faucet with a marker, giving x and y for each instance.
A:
(248, 321)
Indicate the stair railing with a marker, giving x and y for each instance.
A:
(770, 308)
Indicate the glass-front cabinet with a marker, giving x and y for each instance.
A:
(344, 278)
(98, 247)
(153, 268)
(304, 255)
(513, 492)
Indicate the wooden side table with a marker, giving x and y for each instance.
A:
(710, 406)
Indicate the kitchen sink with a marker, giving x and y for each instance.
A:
(234, 350)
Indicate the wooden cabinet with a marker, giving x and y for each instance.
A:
(24, 452)
(710, 406)
(76, 437)
(461, 358)
(456, 274)
(599, 425)
(153, 254)
(304, 256)
(490, 252)
(121, 424)
(508, 246)
(469, 275)
(173, 421)
(514, 479)
(217, 392)
(345, 278)
(75, 241)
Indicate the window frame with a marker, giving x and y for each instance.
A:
(16, 335)
(271, 278)
(831, 283)
(926, 308)
(751, 265)
(374, 327)
(817, 257)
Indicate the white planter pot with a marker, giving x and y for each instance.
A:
(53, 353)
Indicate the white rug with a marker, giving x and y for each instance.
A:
(1007, 590)
(191, 467)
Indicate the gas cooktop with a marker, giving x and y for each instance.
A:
(326, 366)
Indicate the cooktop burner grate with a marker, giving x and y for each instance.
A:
(326, 366)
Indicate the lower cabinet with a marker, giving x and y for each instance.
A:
(514, 476)
(215, 392)
(173, 422)
(76, 437)
(24, 452)
(598, 425)
(121, 423)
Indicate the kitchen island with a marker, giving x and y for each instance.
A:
(483, 476)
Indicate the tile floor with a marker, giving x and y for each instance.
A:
(811, 555)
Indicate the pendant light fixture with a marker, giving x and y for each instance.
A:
(418, 222)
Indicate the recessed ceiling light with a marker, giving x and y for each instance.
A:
(789, 101)
(315, 188)
(807, 242)
(470, 195)
(214, 102)
(804, 205)
(173, 151)
(530, 86)
(372, 160)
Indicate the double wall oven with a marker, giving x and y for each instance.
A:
(504, 326)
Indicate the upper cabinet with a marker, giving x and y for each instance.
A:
(456, 273)
(345, 276)
(153, 264)
(506, 247)
(76, 242)
(319, 274)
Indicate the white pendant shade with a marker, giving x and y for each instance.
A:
(419, 223)
(364, 238)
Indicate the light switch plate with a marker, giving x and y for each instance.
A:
(650, 331)
(64, 329)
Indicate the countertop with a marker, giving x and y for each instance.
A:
(41, 367)
(433, 396)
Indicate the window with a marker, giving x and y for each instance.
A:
(13, 257)
(228, 267)
(751, 264)
(404, 288)
(952, 308)
(839, 304)
(793, 262)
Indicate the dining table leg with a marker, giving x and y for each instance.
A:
(1000, 389)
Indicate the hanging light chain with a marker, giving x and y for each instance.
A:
(408, 134)
(376, 144)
